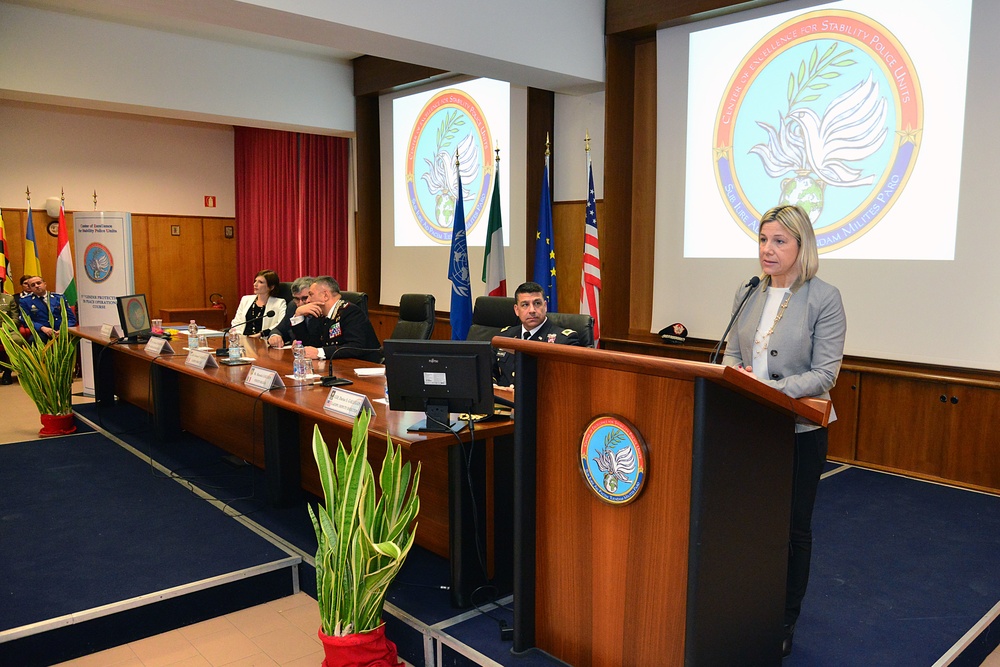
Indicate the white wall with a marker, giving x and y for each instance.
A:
(136, 163)
(575, 115)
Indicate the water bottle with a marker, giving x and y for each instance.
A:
(387, 393)
(192, 335)
(298, 360)
(235, 351)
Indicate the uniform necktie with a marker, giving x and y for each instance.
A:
(526, 335)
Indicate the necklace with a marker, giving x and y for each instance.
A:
(760, 343)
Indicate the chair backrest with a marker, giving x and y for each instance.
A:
(284, 291)
(358, 299)
(490, 315)
(582, 324)
(416, 317)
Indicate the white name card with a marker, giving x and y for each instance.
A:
(108, 329)
(347, 403)
(263, 378)
(200, 359)
(157, 345)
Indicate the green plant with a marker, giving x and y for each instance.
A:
(45, 370)
(362, 542)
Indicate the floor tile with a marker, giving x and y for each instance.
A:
(163, 649)
(285, 645)
(221, 648)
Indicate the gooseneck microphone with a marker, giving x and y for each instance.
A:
(752, 284)
(331, 380)
(224, 350)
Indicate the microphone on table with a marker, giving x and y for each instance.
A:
(752, 284)
(225, 332)
(332, 380)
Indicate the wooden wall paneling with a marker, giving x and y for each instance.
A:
(141, 252)
(14, 238)
(368, 221)
(176, 272)
(220, 264)
(15, 222)
(567, 223)
(541, 122)
(643, 190)
(972, 454)
(618, 160)
(843, 432)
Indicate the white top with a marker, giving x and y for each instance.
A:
(274, 303)
(775, 295)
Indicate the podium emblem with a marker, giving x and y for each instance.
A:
(613, 459)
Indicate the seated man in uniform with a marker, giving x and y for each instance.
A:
(329, 326)
(282, 333)
(531, 309)
(40, 303)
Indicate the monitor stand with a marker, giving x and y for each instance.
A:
(438, 421)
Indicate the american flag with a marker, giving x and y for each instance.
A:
(590, 284)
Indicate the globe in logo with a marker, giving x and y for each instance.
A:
(841, 138)
(97, 262)
(451, 125)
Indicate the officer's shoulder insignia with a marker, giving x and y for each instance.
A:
(505, 328)
(568, 332)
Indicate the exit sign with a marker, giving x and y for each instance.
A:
(209, 201)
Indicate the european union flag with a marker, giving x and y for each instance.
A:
(458, 270)
(545, 249)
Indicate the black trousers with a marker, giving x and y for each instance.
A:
(810, 456)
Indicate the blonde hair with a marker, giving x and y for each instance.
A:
(796, 222)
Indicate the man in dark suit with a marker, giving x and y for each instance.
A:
(330, 326)
(282, 333)
(531, 309)
(40, 304)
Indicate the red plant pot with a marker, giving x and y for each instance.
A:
(57, 425)
(364, 649)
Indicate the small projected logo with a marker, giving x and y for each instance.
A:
(451, 121)
(97, 262)
(135, 313)
(613, 460)
(842, 139)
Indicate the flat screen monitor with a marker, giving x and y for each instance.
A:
(439, 377)
(134, 317)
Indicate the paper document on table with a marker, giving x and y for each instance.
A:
(370, 372)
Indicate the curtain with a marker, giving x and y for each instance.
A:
(291, 205)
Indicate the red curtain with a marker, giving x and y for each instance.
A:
(291, 205)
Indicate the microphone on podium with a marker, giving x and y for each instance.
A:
(752, 284)
(225, 332)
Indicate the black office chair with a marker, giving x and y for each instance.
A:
(490, 315)
(416, 317)
(582, 324)
(358, 299)
(284, 291)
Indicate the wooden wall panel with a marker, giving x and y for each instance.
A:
(176, 273)
(643, 190)
(140, 260)
(220, 263)
(568, 219)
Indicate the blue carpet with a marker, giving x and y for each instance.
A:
(85, 523)
(901, 570)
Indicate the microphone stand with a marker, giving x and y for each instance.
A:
(222, 351)
(752, 284)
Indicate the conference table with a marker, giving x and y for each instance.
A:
(466, 478)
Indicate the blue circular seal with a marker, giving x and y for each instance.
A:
(97, 262)
(613, 460)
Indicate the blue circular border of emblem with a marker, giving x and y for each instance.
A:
(592, 458)
(95, 251)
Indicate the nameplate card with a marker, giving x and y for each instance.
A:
(108, 329)
(200, 359)
(263, 378)
(347, 403)
(158, 346)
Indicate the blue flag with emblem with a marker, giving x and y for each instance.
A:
(458, 270)
(545, 250)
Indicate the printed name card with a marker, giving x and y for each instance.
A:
(200, 359)
(263, 378)
(347, 403)
(157, 345)
(108, 329)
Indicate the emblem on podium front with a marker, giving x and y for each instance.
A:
(613, 459)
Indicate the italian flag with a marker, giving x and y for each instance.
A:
(494, 272)
(65, 282)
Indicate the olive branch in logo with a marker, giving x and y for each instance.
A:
(613, 438)
(817, 69)
(446, 131)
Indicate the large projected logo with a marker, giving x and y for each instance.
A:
(451, 121)
(825, 112)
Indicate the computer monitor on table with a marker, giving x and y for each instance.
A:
(134, 317)
(439, 377)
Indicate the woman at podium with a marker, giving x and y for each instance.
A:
(253, 313)
(789, 333)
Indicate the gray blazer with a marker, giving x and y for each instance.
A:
(807, 346)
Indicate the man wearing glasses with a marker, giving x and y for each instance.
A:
(282, 334)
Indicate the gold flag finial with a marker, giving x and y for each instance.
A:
(586, 141)
(95, 200)
(497, 151)
(548, 145)
(457, 163)
(62, 196)
(27, 193)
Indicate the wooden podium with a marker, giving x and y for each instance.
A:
(693, 570)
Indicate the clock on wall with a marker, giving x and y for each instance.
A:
(53, 228)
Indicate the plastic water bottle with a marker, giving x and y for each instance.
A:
(192, 335)
(235, 351)
(387, 393)
(298, 360)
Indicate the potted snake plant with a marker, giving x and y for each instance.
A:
(363, 536)
(45, 372)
